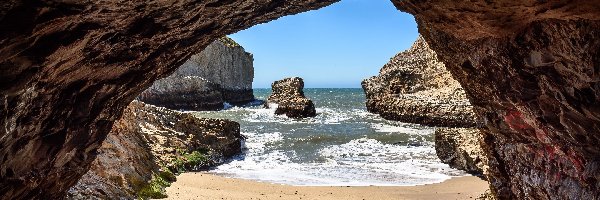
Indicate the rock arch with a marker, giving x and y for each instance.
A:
(68, 69)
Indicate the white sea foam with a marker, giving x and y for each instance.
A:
(343, 145)
(360, 162)
(226, 106)
(386, 128)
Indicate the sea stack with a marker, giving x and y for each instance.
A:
(223, 72)
(289, 97)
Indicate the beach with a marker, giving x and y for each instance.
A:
(198, 185)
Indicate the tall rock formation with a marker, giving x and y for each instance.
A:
(69, 68)
(147, 145)
(415, 87)
(222, 72)
(531, 69)
(288, 97)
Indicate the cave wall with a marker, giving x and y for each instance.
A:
(531, 69)
(69, 68)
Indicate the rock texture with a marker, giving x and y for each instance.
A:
(461, 149)
(288, 97)
(69, 68)
(415, 87)
(147, 141)
(531, 69)
(222, 72)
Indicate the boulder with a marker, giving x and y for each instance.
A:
(461, 149)
(288, 97)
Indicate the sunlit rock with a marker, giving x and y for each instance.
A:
(288, 97)
(221, 73)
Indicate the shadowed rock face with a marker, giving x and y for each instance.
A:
(531, 69)
(69, 68)
(147, 141)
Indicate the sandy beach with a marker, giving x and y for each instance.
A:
(208, 186)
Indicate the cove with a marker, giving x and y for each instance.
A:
(70, 68)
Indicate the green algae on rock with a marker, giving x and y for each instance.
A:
(148, 145)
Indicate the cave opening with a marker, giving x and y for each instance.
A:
(531, 73)
(334, 50)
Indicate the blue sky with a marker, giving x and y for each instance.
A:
(334, 47)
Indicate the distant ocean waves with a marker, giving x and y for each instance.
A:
(342, 145)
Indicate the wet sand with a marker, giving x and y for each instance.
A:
(209, 186)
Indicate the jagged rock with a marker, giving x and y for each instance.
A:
(461, 149)
(415, 87)
(288, 97)
(69, 68)
(147, 141)
(531, 69)
(222, 72)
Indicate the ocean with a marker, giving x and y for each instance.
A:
(344, 145)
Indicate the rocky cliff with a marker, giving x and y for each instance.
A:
(69, 68)
(222, 72)
(288, 96)
(415, 87)
(147, 145)
(531, 69)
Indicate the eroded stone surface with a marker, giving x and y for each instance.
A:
(222, 72)
(532, 72)
(146, 141)
(288, 97)
(415, 87)
(69, 68)
(461, 149)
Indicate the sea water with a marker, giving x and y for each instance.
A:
(344, 145)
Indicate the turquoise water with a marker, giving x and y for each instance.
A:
(342, 145)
